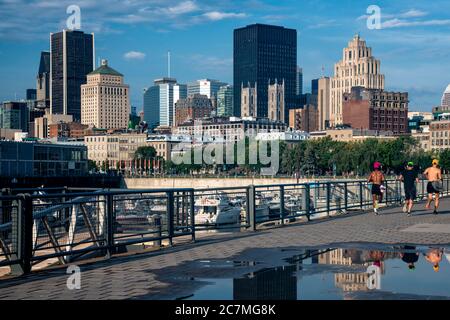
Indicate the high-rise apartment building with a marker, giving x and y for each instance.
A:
(358, 67)
(160, 100)
(276, 103)
(105, 99)
(263, 53)
(71, 59)
(206, 87)
(225, 101)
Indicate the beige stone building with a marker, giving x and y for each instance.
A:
(358, 67)
(164, 144)
(348, 135)
(114, 148)
(440, 133)
(249, 101)
(42, 124)
(424, 140)
(105, 99)
(276, 101)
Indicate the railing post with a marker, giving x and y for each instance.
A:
(345, 196)
(252, 207)
(307, 201)
(447, 191)
(170, 215)
(361, 197)
(192, 212)
(282, 212)
(22, 234)
(110, 220)
(328, 190)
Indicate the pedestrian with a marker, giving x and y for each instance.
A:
(434, 186)
(434, 256)
(410, 178)
(377, 180)
(409, 256)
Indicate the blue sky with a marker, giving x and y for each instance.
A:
(135, 35)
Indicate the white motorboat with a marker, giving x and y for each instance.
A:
(216, 210)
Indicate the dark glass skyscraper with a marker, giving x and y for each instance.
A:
(72, 58)
(264, 53)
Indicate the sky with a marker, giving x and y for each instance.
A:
(413, 43)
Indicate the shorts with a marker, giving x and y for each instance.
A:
(430, 188)
(410, 194)
(376, 190)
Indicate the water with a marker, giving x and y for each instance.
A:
(341, 273)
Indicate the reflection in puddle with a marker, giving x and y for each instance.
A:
(405, 272)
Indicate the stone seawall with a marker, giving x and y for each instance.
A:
(199, 183)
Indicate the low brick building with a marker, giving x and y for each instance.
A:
(376, 110)
(194, 107)
(304, 119)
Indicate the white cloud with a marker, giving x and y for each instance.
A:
(134, 55)
(107, 16)
(412, 13)
(397, 23)
(216, 15)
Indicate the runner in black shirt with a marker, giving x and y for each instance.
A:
(409, 178)
(410, 257)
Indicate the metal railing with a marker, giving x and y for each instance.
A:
(65, 224)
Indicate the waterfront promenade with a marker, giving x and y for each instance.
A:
(171, 273)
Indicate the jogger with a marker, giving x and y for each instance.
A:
(410, 178)
(377, 179)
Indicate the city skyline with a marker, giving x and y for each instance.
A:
(415, 29)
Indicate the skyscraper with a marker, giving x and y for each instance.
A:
(357, 68)
(225, 101)
(43, 81)
(14, 115)
(72, 58)
(105, 99)
(160, 100)
(445, 102)
(323, 103)
(205, 87)
(263, 53)
(299, 81)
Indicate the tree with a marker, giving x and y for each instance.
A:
(146, 153)
(92, 165)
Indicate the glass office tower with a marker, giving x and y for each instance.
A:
(72, 58)
(263, 54)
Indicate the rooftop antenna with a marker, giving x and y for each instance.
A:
(168, 64)
(323, 71)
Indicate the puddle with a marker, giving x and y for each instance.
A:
(401, 272)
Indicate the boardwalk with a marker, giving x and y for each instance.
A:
(169, 274)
